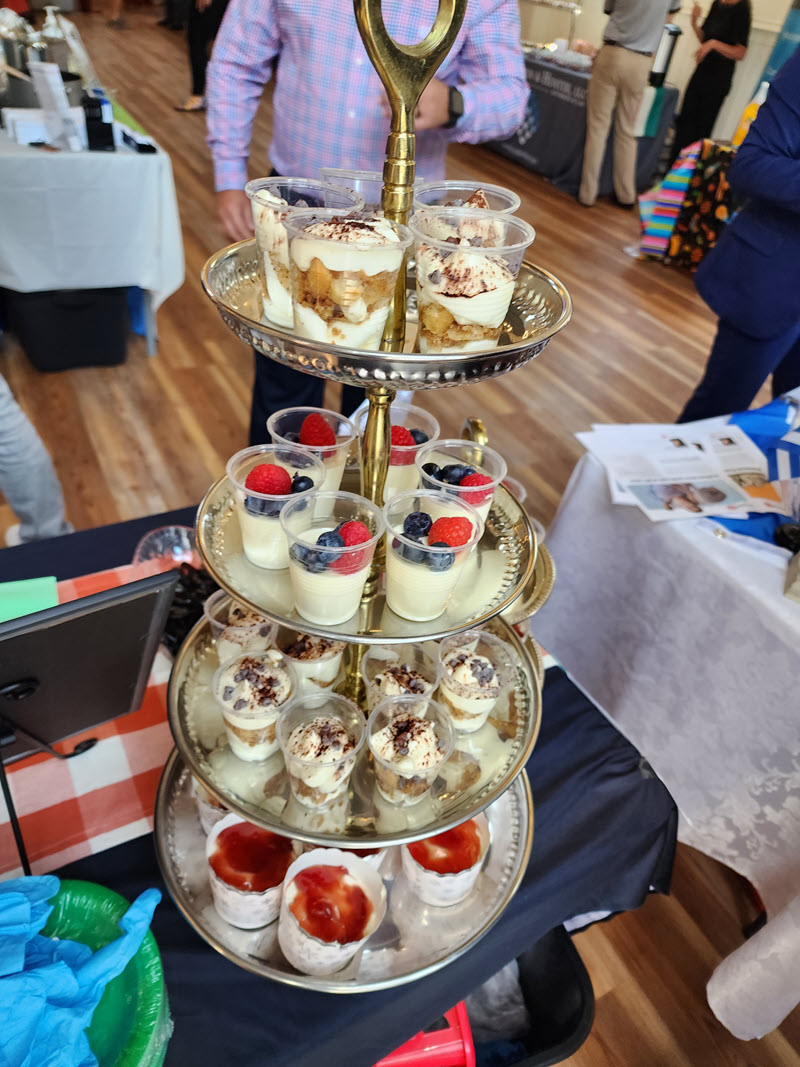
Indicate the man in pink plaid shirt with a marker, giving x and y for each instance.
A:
(330, 110)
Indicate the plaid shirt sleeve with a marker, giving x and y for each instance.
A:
(491, 75)
(240, 67)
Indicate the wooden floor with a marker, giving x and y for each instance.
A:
(152, 434)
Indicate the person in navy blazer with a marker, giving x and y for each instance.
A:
(751, 278)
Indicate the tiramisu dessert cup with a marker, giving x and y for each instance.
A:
(270, 201)
(343, 271)
(330, 549)
(466, 470)
(332, 902)
(429, 537)
(251, 690)
(330, 435)
(467, 262)
(235, 628)
(246, 868)
(209, 808)
(399, 670)
(443, 870)
(411, 429)
(316, 660)
(452, 193)
(320, 735)
(264, 478)
(477, 668)
(408, 747)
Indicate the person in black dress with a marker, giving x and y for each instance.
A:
(723, 41)
(205, 19)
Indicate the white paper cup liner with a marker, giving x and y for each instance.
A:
(442, 890)
(243, 909)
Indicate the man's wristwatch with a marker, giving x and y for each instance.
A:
(455, 107)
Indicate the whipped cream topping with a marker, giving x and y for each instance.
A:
(401, 679)
(473, 287)
(322, 740)
(241, 616)
(253, 684)
(308, 647)
(368, 231)
(409, 742)
(367, 243)
(472, 670)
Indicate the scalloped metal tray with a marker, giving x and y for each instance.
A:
(483, 765)
(536, 591)
(414, 939)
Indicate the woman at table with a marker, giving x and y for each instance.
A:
(723, 41)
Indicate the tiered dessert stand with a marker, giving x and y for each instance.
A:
(507, 580)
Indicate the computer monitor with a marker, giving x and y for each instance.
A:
(69, 668)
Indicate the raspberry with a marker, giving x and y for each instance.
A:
(269, 478)
(315, 431)
(474, 498)
(402, 456)
(352, 533)
(453, 531)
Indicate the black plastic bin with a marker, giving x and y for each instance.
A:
(66, 328)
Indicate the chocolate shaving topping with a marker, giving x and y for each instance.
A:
(406, 678)
(483, 673)
(435, 277)
(227, 692)
(452, 240)
(477, 242)
(404, 730)
(307, 647)
(240, 703)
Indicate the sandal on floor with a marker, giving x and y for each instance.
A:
(188, 107)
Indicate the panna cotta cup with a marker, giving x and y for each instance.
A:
(209, 809)
(454, 466)
(290, 425)
(332, 902)
(467, 261)
(443, 870)
(343, 273)
(263, 540)
(320, 735)
(454, 193)
(316, 660)
(477, 668)
(399, 670)
(408, 747)
(235, 628)
(422, 569)
(250, 691)
(271, 199)
(246, 869)
(402, 475)
(329, 569)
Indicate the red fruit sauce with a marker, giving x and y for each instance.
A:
(327, 907)
(247, 857)
(454, 850)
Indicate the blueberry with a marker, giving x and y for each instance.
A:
(291, 436)
(413, 555)
(420, 437)
(441, 561)
(301, 483)
(256, 506)
(432, 470)
(330, 539)
(314, 562)
(455, 473)
(417, 524)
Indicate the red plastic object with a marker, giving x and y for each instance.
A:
(452, 1047)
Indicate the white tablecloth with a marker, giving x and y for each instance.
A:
(686, 642)
(88, 220)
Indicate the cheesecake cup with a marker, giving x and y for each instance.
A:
(284, 428)
(250, 691)
(442, 889)
(263, 540)
(408, 748)
(320, 735)
(449, 457)
(476, 669)
(399, 670)
(401, 474)
(236, 629)
(310, 954)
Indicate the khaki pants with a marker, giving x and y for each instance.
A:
(618, 81)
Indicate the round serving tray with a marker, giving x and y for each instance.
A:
(414, 939)
(540, 307)
(481, 768)
(536, 590)
(492, 578)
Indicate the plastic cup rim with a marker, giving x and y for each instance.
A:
(486, 186)
(295, 703)
(472, 514)
(337, 495)
(399, 702)
(504, 670)
(254, 450)
(294, 226)
(313, 411)
(462, 443)
(255, 185)
(285, 663)
(482, 216)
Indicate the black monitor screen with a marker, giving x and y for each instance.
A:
(90, 660)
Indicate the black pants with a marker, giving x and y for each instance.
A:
(701, 104)
(276, 387)
(202, 30)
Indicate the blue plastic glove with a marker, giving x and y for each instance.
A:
(23, 912)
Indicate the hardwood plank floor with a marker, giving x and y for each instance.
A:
(150, 435)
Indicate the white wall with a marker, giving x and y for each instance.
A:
(539, 24)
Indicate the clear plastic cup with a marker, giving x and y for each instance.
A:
(515, 486)
(467, 688)
(341, 289)
(455, 193)
(270, 200)
(404, 772)
(285, 425)
(397, 670)
(366, 183)
(420, 577)
(328, 581)
(263, 540)
(467, 262)
(241, 690)
(451, 453)
(236, 629)
(402, 475)
(317, 779)
(316, 660)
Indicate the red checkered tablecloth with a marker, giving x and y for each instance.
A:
(71, 808)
